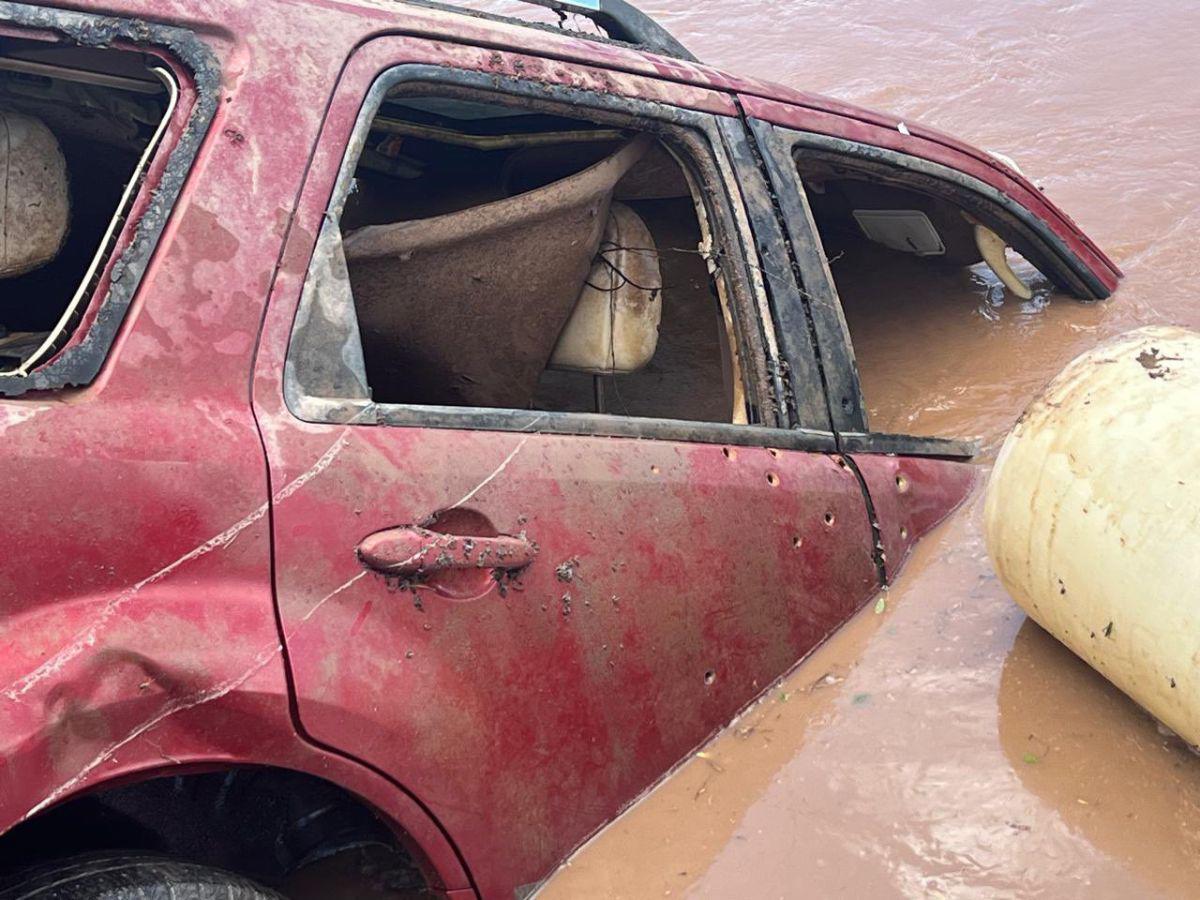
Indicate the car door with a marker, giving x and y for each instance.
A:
(524, 618)
(974, 206)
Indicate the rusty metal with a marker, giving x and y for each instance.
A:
(49, 70)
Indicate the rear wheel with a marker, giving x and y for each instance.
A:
(130, 876)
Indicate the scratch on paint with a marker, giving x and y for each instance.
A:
(191, 701)
(495, 472)
(323, 461)
(12, 415)
(313, 611)
(317, 468)
(87, 637)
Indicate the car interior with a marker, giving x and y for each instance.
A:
(916, 260)
(79, 126)
(852, 205)
(502, 257)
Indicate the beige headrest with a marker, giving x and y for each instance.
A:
(613, 329)
(34, 197)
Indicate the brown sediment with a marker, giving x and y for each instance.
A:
(957, 750)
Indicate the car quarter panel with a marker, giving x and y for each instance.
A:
(136, 614)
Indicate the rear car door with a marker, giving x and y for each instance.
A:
(525, 615)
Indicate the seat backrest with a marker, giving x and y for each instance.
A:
(35, 202)
(613, 329)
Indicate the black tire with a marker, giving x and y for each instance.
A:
(131, 876)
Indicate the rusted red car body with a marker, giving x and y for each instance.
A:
(180, 589)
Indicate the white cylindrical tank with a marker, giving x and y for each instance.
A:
(1092, 517)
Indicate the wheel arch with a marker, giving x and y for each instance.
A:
(153, 786)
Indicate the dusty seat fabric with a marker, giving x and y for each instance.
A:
(34, 197)
(465, 309)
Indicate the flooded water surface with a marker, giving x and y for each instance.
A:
(948, 747)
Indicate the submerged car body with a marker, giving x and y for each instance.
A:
(211, 521)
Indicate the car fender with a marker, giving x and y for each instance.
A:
(160, 693)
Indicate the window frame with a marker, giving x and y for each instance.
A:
(85, 351)
(729, 212)
(780, 146)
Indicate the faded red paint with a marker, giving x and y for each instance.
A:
(910, 496)
(138, 604)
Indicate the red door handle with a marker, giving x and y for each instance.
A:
(411, 550)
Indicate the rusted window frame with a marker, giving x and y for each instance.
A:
(79, 363)
(314, 342)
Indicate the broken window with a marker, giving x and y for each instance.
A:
(500, 256)
(915, 260)
(77, 130)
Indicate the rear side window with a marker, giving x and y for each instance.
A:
(505, 259)
(85, 134)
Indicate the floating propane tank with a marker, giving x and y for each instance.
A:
(1092, 517)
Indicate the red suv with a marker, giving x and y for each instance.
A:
(422, 428)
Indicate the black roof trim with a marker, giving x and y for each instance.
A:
(623, 22)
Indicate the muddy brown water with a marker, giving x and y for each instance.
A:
(948, 747)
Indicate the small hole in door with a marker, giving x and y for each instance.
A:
(902, 484)
(797, 542)
(772, 479)
(709, 677)
(829, 518)
(729, 452)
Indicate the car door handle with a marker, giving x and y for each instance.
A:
(411, 550)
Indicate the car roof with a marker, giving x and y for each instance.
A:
(443, 20)
(293, 23)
